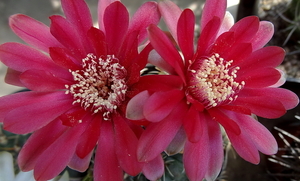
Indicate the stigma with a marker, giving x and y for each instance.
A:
(212, 81)
(100, 85)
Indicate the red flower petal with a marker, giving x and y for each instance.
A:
(106, 164)
(78, 14)
(116, 20)
(80, 164)
(245, 29)
(154, 169)
(157, 136)
(171, 13)
(270, 56)
(135, 106)
(288, 98)
(177, 144)
(185, 31)
(34, 116)
(165, 83)
(260, 135)
(160, 104)
(129, 50)
(102, 5)
(73, 116)
(146, 14)
(216, 152)
(22, 57)
(196, 157)
(12, 77)
(258, 78)
(97, 39)
(193, 124)
(208, 36)
(33, 32)
(264, 106)
(37, 143)
(39, 80)
(13, 101)
(126, 146)
(67, 35)
(89, 138)
(244, 146)
(55, 158)
(164, 46)
(211, 9)
(263, 35)
(62, 57)
(224, 120)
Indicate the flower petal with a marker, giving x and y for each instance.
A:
(245, 29)
(288, 98)
(22, 57)
(165, 83)
(196, 157)
(163, 45)
(258, 78)
(208, 36)
(39, 80)
(244, 146)
(216, 151)
(13, 101)
(56, 157)
(135, 106)
(80, 164)
(171, 13)
(116, 20)
(106, 163)
(154, 169)
(193, 124)
(156, 60)
(185, 32)
(97, 39)
(78, 14)
(102, 5)
(177, 144)
(260, 135)
(146, 14)
(211, 9)
(264, 106)
(263, 35)
(38, 142)
(270, 56)
(62, 57)
(33, 32)
(12, 77)
(34, 116)
(227, 23)
(67, 35)
(126, 146)
(160, 104)
(157, 136)
(224, 120)
(89, 138)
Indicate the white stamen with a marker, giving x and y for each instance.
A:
(100, 86)
(214, 82)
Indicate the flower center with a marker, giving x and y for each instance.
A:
(212, 81)
(100, 85)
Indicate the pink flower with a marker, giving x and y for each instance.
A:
(80, 80)
(227, 78)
